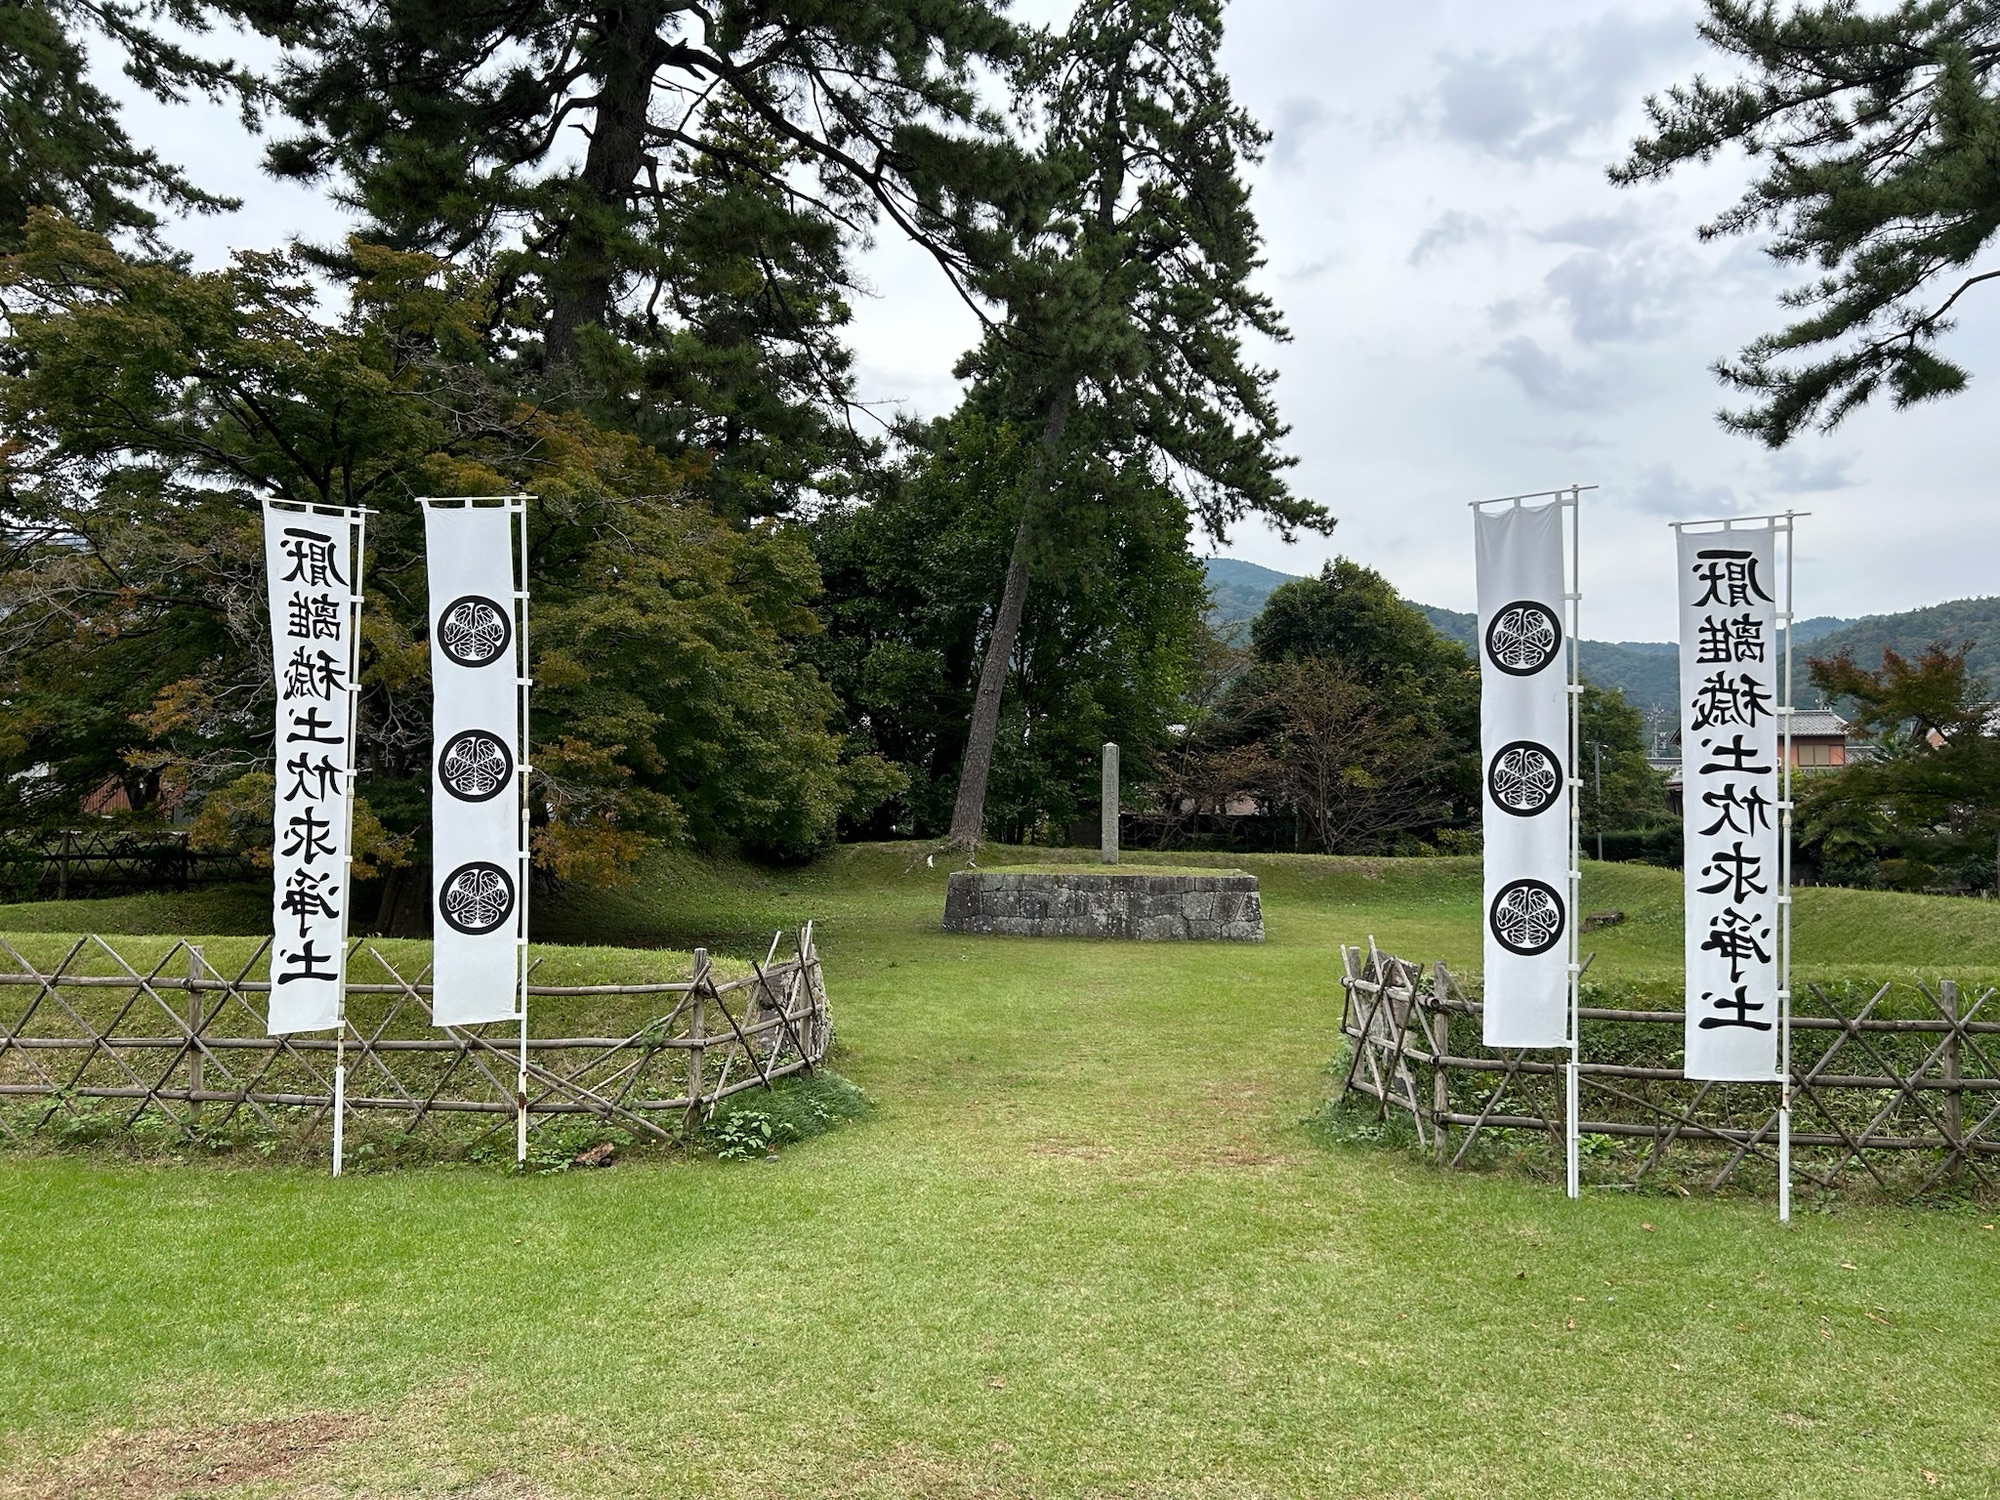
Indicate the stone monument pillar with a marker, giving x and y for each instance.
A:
(1107, 826)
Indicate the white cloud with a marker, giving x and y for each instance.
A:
(1621, 299)
(1452, 230)
(1662, 491)
(1551, 100)
(1804, 473)
(1574, 442)
(1607, 231)
(1297, 120)
(1546, 379)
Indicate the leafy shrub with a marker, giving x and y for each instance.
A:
(756, 1124)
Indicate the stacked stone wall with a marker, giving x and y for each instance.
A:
(1149, 908)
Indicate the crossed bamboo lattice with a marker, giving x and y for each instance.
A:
(1398, 1017)
(185, 1041)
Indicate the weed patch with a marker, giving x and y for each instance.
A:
(755, 1123)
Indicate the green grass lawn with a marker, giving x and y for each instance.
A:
(1083, 1246)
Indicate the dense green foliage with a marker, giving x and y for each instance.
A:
(1349, 713)
(1106, 644)
(1127, 300)
(1877, 128)
(1352, 612)
(1922, 807)
(153, 406)
(1974, 623)
(1620, 791)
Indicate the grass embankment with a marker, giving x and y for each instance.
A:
(1100, 868)
(1417, 908)
(1083, 1247)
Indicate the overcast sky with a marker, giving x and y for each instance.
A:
(1475, 312)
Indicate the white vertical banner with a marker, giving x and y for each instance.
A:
(1525, 751)
(478, 682)
(312, 567)
(1729, 779)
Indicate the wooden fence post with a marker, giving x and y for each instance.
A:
(697, 1031)
(1954, 1108)
(195, 1015)
(1440, 1041)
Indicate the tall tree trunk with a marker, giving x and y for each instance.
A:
(584, 279)
(968, 814)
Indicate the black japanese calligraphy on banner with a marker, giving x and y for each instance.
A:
(1524, 735)
(1730, 747)
(312, 562)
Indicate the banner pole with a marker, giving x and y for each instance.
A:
(339, 1095)
(1530, 609)
(524, 863)
(358, 520)
(1573, 1141)
(1785, 903)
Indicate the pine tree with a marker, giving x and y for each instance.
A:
(667, 191)
(1880, 130)
(61, 144)
(1127, 301)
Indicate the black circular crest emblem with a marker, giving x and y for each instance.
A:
(1524, 778)
(475, 765)
(474, 630)
(1527, 917)
(1523, 637)
(477, 897)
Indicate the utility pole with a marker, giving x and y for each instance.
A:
(1597, 773)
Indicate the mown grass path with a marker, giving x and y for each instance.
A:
(1084, 1246)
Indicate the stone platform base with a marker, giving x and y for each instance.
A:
(1223, 907)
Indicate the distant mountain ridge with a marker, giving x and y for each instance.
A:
(1648, 672)
(1954, 623)
(1237, 590)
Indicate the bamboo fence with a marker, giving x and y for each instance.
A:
(181, 1043)
(1900, 1083)
(89, 861)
